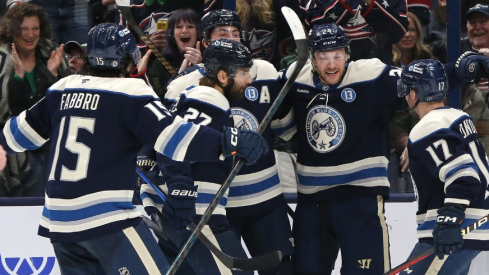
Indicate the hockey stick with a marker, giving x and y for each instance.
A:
(256, 263)
(301, 44)
(415, 259)
(124, 7)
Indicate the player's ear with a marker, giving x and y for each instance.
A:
(222, 76)
(205, 43)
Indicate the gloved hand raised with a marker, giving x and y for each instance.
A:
(447, 236)
(179, 206)
(243, 143)
(469, 65)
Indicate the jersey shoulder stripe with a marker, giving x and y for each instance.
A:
(371, 70)
(177, 86)
(264, 70)
(209, 96)
(132, 87)
(434, 121)
(305, 76)
(363, 70)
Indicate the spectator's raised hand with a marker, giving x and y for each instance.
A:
(159, 39)
(143, 63)
(193, 56)
(18, 65)
(55, 60)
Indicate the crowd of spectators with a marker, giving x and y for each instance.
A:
(44, 40)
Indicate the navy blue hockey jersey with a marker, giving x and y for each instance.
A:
(256, 188)
(449, 165)
(204, 106)
(97, 126)
(342, 130)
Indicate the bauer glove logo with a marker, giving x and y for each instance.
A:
(184, 193)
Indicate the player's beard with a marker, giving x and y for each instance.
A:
(231, 91)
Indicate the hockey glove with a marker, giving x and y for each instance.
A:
(468, 66)
(179, 206)
(447, 236)
(243, 143)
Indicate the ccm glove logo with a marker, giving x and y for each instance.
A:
(234, 136)
(447, 219)
(184, 193)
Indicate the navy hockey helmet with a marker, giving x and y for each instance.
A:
(327, 37)
(110, 45)
(427, 78)
(217, 18)
(226, 54)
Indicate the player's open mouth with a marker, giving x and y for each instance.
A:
(333, 73)
(185, 39)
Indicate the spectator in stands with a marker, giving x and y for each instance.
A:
(76, 55)
(409, 49)
(411, 46)
(31, 63)
(146, 14)
(478, 41)
(69, 19)
(372, 26)
(264, 27)
(182, 48)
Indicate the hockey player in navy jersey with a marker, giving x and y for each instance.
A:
(255, 200)
(450, 173)
(227, 75)
(98, 122)
(340, 115)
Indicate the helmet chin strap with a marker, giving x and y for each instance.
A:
(414, 107)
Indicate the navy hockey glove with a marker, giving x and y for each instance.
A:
(179, 206)
(468, 66)
(447, 236)
(243, 143)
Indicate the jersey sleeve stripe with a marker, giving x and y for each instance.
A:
(30, 133)
(285, 127)
(175, 139)
(20, 136)
(448, 169)
(463, 171)
(457, 201)
(10, 137)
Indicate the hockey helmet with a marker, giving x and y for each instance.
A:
(227, 54)
(327, 37)
(217, 18)
(427, 78)
(109, 45)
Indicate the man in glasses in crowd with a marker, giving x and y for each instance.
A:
(76, 54)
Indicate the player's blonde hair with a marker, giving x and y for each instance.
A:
(262, 9)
